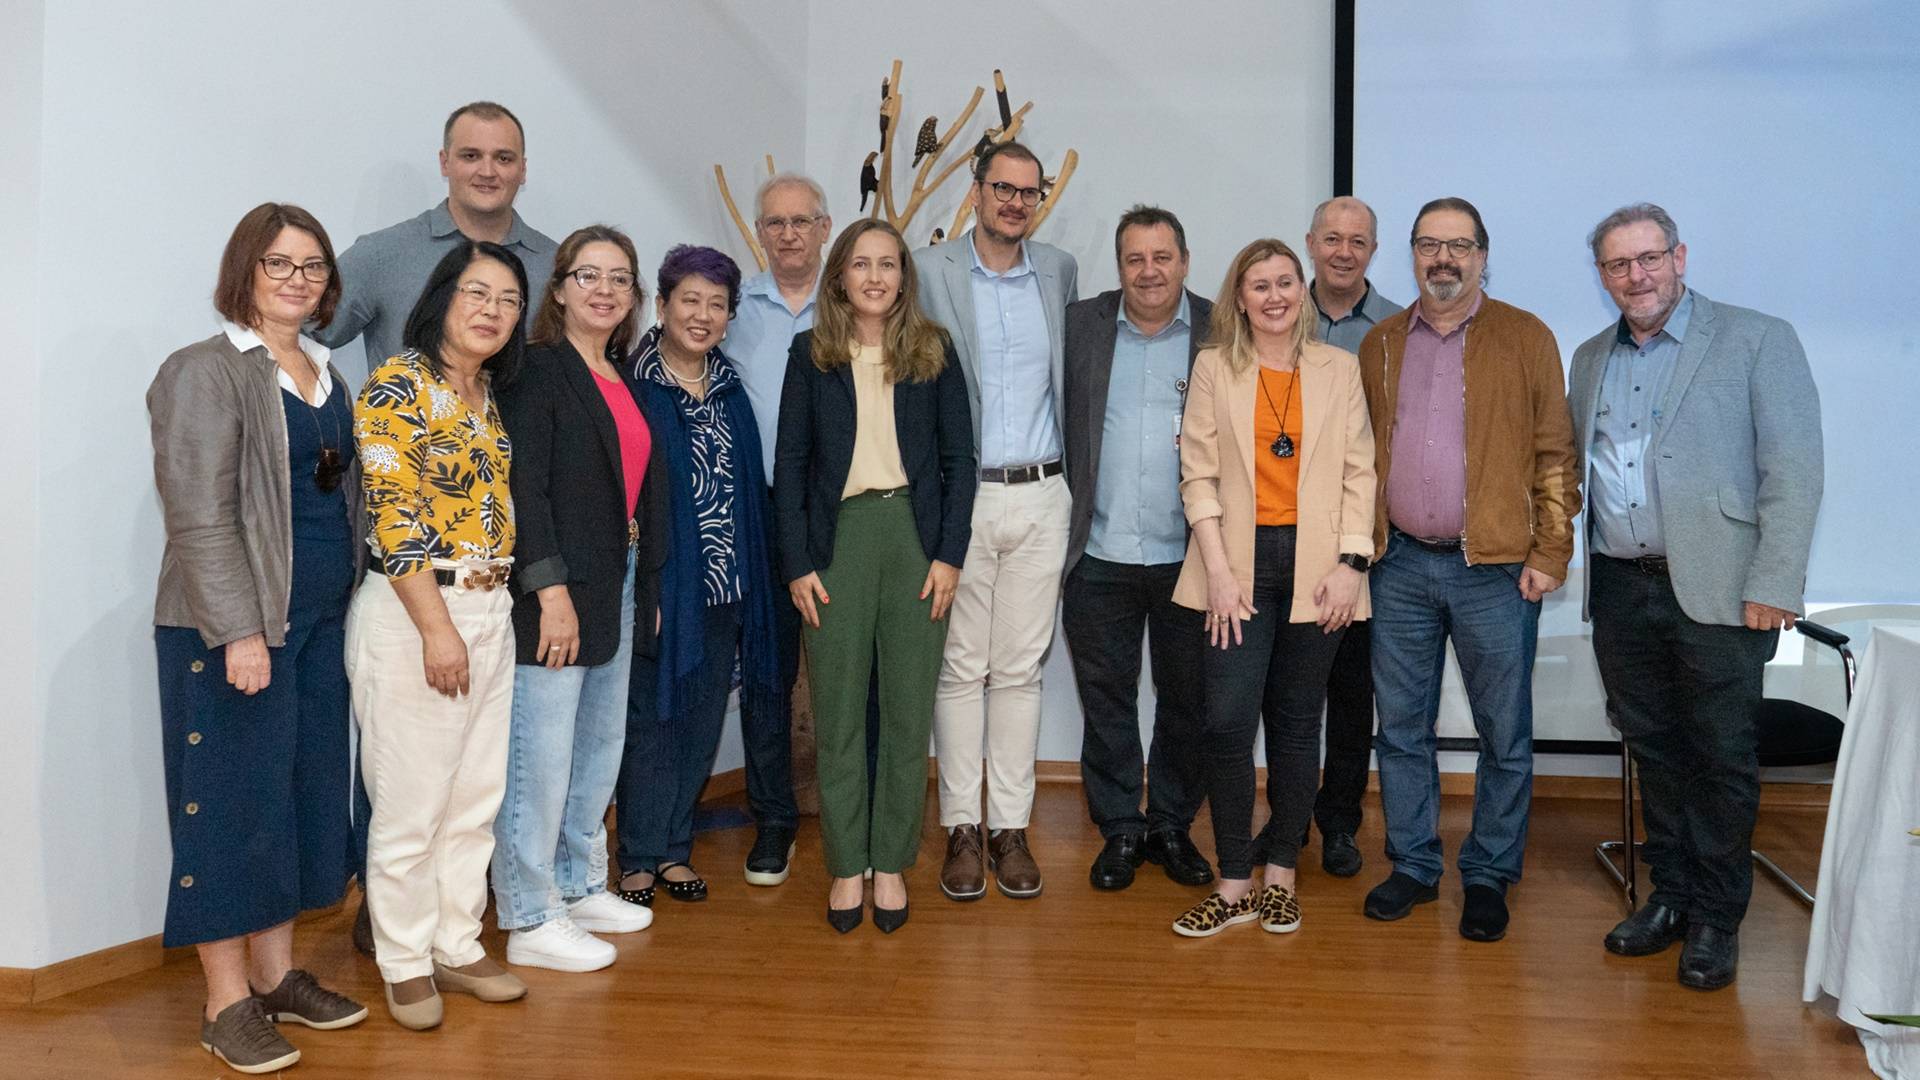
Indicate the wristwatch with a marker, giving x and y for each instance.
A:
(1358, 562)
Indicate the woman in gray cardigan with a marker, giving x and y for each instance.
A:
(253, 455)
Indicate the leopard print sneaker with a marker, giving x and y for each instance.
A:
(1214, 914)
(1279, 910)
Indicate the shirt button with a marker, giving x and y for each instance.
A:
(1429, 442)
(1629, 425)
(1633, 506)
(193, 808)
(1629, 464)
(197, 666)
(193, 738)
(186, 881)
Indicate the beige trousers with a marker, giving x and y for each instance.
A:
(435, 769)
(997, 639)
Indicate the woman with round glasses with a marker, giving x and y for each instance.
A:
(588, 495)
(430, 646)
(254, 460)
(1276, 471)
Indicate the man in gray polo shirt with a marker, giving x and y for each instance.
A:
(1341, 243)
(483, 157)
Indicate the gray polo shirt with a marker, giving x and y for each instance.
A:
(382, 273)
(1347, 333)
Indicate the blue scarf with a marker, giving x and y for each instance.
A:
(683, 598)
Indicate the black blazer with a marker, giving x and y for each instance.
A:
(814, 450)
(570, 506)
(1092, 330)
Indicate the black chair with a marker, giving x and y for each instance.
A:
(1789, 733)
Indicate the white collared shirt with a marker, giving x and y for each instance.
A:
(245, 340)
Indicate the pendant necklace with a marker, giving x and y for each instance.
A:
(1282, 446)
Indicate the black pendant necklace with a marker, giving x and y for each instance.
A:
(1282, 447)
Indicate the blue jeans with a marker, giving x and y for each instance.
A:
(569, 727)
(1421, 599)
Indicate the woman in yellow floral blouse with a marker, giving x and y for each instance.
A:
(430, 648)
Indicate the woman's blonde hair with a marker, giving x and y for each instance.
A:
(1230, 332)
(915, 346)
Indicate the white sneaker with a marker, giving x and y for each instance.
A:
(606, 913)
(561, 945)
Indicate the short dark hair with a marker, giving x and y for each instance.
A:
(685, 260)
(233, 290)
(427, 323)
(1143, 216)
(1011, 149)
(1459, 205)
(485, 110)
(550, 322)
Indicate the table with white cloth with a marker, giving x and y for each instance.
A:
(1864, 948)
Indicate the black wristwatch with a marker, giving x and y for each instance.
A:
(1358, 562)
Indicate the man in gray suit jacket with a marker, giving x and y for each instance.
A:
(1701, 427)
(1003, 298)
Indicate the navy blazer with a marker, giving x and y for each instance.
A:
(814, 451)
(570, 506)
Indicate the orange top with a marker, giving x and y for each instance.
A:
(1278, 478)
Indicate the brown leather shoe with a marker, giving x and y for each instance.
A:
(1014, 871)
(964, 877)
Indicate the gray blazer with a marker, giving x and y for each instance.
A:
(1092, 330)
(946, 293)
(1738, 457)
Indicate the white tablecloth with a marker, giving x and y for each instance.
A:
(1865, 945)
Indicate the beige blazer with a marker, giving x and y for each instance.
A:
(1336, 472)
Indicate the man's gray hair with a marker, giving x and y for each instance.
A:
(1628, 215)
(782, 180)
(1320, 213)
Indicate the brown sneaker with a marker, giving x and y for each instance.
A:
(246, 1040)
(1216, 913)
(964, 877)
(302, 1000)
(1014, 871)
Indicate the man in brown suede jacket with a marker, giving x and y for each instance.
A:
(1479, 483)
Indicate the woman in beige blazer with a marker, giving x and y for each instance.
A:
(1276, 467)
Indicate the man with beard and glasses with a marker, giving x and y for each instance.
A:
(1479, 484)
(1701, 426)
(1003, 298)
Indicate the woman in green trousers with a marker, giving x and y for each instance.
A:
(873, 494)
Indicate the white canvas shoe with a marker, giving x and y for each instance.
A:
(560, 945)
(605, 913)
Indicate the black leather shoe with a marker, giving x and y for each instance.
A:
(1113, 867)
(1650, 930)
(889, 919)
(363, 929)
(1339, 855)
(1395, 897)
(1708, 960)
(1483, 915)
(1173, 851)
(845, 919)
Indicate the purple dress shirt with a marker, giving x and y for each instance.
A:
(1427, 481)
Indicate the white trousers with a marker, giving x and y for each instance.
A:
(435, 768)
(997, 640)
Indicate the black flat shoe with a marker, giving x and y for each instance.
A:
(890, 919)
(845, 919)
(1395, 897)
(643, 897)
(1710, 957)
(690, 891)
(1339, 855)
(1483, 914)
(1113, 867)
(1652, 929)
(1172, 850)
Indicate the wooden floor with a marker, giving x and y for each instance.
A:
(1076, 983)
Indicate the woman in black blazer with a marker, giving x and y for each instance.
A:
(873, 482)
(588, 495)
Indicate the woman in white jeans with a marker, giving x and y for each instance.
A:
(429, 636)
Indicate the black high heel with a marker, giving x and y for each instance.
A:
(889, 919)
(845, 919)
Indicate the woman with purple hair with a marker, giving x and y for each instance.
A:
(717, 590)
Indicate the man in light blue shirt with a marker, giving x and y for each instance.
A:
(1128, 355)
(1623, 492)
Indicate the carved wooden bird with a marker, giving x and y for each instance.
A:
(927, 142)
(869, 180)
(885, 90)
(940, 234)
(985, 143)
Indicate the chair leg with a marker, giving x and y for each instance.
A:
(1783, 878)
(1627, 877)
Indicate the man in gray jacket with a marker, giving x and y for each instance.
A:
(1701, 428)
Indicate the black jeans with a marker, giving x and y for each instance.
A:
(667, 759)
(1105, 607)
(1685, 695)
(767, 741)
(1279, 672)
(1343, 777)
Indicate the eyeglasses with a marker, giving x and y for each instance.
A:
(1648, 261)
(328, 470)
(1428, 247)
(280, 268)
(1029, 196)
(589, 277)
(479, 296)
(798, 223)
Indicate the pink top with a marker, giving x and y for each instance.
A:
(636, 442)
(1426, 489)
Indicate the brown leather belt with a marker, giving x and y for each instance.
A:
(1450, 546)
(1020, 474)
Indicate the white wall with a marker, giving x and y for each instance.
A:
(162, 125)
(1222, 118)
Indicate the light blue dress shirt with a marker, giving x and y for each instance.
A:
(757, 342)
(1016, 366)
(1621, 480)
(1137, 514)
